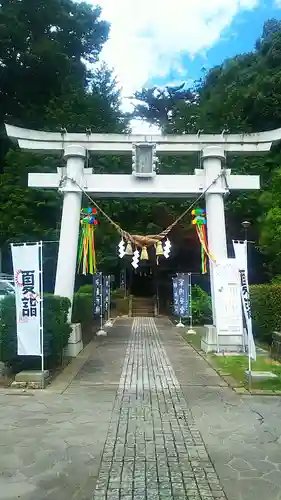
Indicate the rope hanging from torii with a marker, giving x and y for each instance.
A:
(145, 241)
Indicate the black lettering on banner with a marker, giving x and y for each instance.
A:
(25, 307)
(28, 281)
(29, 302)
(97, 295)
(245, 293)
(33, 307)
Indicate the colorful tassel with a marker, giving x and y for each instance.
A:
(200, 224)
(87, 252)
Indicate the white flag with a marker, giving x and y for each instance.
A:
(27, 290)
(240, 250)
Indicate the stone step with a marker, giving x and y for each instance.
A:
(143, 314)
(143, 309)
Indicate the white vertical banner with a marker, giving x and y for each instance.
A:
(27, 264)
(240, 251)
(229, 315)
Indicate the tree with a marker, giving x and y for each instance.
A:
(157, 106)
(241, 95)
(42, 43)
(44, 83)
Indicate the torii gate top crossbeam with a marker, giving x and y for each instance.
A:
(256, 143)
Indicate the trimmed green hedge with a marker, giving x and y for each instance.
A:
(266, 310)
(56, 332)
(201, 306)
(86, 289)
(83, 304)
(82, 308)
(265, 304)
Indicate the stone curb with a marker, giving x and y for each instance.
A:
(230, 381)
(64, 379)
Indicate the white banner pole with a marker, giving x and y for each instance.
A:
(249, 350)
(190, 331)
(241, 256)
(101, 300)
(109, 322)
(27, 295)
(101, 332)
(41, 307)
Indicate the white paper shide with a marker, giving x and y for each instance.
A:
(26, 264)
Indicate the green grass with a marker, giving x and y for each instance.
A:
(193, 339)
(237, 365)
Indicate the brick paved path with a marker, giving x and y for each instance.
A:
(124, 424)
(153, 449)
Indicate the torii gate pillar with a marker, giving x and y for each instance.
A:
(212, 158)
(70, 222)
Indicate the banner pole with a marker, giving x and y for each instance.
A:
(28, 284)
(180, 323)
(249, 371)
(249, 350)
(190, 331)
(41, 309)
(101, 309)
(109, 322)
(101, 332)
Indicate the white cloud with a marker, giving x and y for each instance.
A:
(278, 4)
(148, 36)
(141, 127)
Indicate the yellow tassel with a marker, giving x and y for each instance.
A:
(129, 250)
(144, 254)
(159, 249)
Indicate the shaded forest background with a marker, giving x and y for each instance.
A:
(51, 79)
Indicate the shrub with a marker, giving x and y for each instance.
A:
(86, 289)
(82, 308)
(8, 337)
(265, 304)
(266, 310)
(201, 306)
(56, 327)
(118, 293)
(56, 332)
(121, 305)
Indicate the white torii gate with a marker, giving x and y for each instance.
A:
(145, 183)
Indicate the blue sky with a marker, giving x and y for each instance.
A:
(160, 42)
(240, 37)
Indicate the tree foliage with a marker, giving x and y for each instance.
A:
(42, 44)
(45, 83)
(241, 95)
(46, 50)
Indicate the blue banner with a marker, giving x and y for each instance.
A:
(97, 294)
(181, 296)
(106, 293)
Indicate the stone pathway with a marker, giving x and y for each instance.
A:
(153, 449)
(145, 418)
